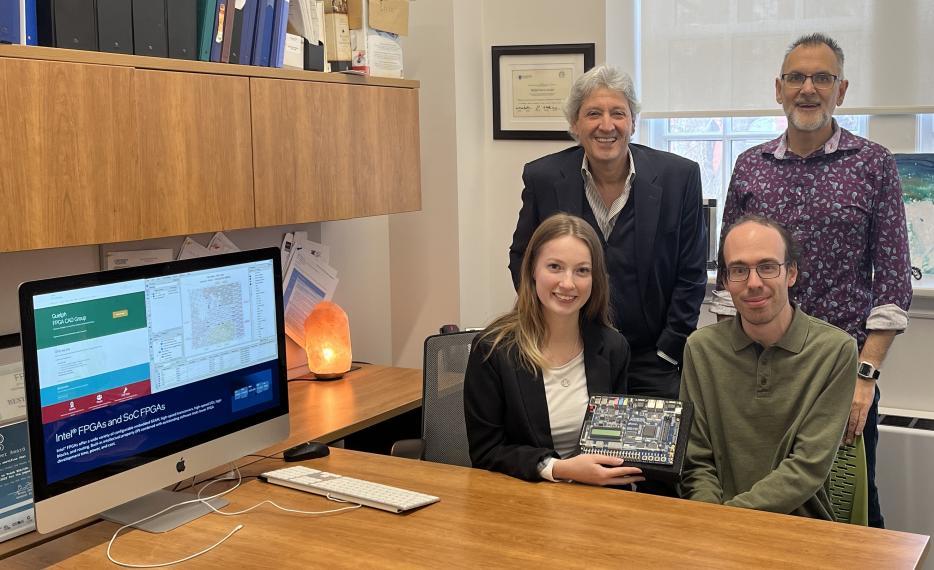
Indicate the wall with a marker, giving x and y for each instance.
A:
(359, 251)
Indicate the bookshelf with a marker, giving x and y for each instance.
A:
(101, 148)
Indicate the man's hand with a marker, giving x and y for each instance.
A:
(596, 469)
(862, 400)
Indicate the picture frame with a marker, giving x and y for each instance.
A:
(530, 85)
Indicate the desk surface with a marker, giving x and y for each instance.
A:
(326, 412)
(487, 519)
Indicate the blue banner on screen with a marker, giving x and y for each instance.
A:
(98, 437)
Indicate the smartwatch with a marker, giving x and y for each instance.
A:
(867, 370)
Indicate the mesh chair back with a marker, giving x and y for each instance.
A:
(848, 488)
(443, 427)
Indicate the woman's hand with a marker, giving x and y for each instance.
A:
(596, 469)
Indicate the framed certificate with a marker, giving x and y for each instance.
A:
(530, 85)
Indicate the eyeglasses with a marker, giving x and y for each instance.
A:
(796, 80)
(740, 273)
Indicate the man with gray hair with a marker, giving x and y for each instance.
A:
(646, 207)
(840, 196)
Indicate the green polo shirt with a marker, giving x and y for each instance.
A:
(767, 422)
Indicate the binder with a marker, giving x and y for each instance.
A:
(181, 20)
(115, 26)
(10, 26)
(262, 41)
(75, 24)
(45, 23)
(149, 37)
(228, 31)
(245, 55)
(217, 36)
(28, 22)
(206, 12)
(237, 32)
(278, 33)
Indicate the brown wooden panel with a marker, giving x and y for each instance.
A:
(329, 152)
(68, 166)
(386, 175)
(196, 163)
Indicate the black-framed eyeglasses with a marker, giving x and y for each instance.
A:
(818, 80)
(767, 270)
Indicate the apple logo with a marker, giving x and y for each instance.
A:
(180, 466)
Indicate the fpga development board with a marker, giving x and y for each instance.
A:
(649, 433)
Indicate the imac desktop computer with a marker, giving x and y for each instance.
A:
(142, 377)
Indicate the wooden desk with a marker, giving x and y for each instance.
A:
(489, 520)
(320, 411)
(329, 411)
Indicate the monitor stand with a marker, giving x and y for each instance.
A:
(142, 507)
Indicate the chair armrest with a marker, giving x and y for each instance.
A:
(408, 448)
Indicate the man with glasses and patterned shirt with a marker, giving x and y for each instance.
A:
(840, 197)
(771, 388)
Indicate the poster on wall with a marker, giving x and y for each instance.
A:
(530, 86)
(916, 172)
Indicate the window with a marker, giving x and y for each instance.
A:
(925, 133)
(716, 143)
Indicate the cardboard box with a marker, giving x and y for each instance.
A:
(375, 30)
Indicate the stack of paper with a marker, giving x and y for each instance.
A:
(309, 279)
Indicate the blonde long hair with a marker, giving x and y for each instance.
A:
(524, 326)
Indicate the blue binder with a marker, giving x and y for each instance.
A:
(248, 32)
(32, 31)
(278, 33)
(265, 15)
(10, 22)
(217, 37)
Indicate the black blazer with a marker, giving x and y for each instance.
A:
(505, 408)
(670, 234)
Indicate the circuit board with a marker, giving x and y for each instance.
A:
(640, 430)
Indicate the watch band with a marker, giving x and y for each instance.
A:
(867, 370)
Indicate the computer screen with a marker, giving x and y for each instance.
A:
(141, 377)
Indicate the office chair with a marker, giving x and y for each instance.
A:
(848, 487)
(444, 432)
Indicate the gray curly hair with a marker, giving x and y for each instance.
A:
(603, 76)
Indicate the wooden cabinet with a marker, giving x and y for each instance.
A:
(68, 156)
(101, 148)
(195, 152)
(362, 141)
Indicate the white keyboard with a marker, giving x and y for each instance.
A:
(376, 495)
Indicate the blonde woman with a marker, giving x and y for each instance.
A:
(532, 370)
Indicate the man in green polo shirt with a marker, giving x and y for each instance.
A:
(771, 388)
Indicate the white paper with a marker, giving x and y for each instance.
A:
(191, 248)
(118, 259)
(307, 282)
(12, 392)
(320, 251)
(294, 56)
(220, 243)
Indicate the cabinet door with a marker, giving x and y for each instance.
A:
(196, 160)
(68, 155)
(330, 151)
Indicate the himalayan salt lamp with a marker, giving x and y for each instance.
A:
(327, 341)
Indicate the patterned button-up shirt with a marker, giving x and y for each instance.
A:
(843, 204)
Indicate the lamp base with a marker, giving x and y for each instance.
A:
(332, 376)
(312, 377)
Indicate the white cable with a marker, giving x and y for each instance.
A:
(257, 505)
(161, 564)
(206, 502)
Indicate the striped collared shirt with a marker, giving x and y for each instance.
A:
(606, 216)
